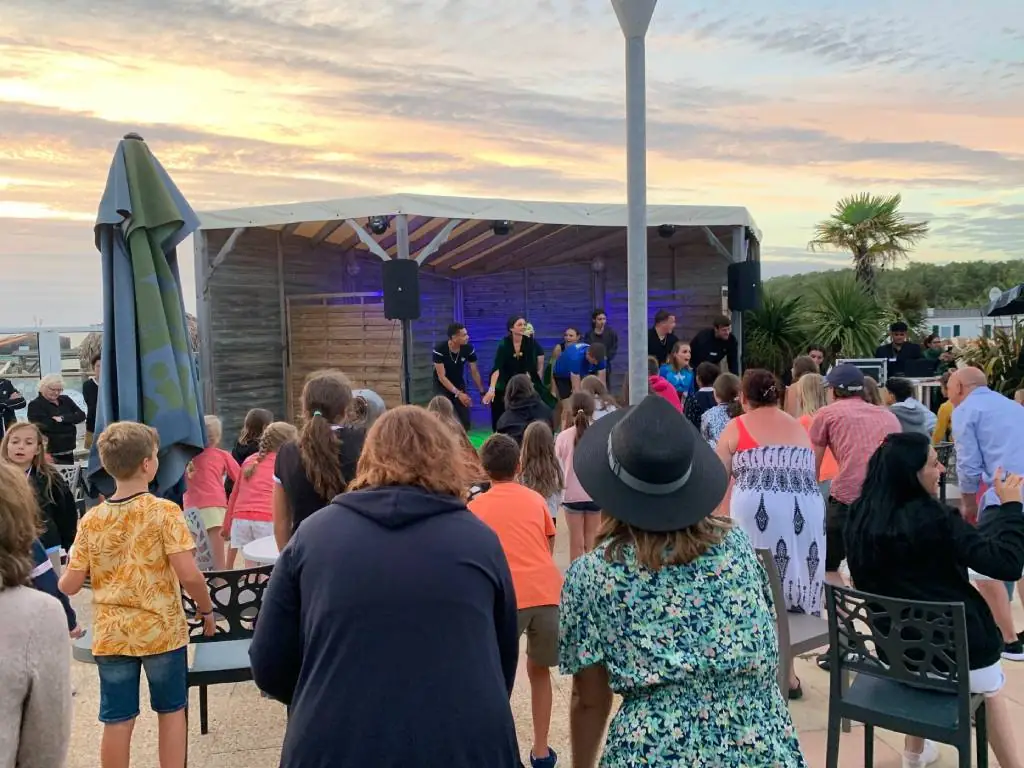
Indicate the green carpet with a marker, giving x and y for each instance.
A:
(477, 437)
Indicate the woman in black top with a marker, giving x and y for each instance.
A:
(902, 542)
(56, 415)
(516, 353)
(309, 473)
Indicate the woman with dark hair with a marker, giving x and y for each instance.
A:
(517, 353)
(601, 333)
(774, 496)
(523, 406)
(248, 443)
(310, 472)
(395, 586)
(902, 542)
(671, 610)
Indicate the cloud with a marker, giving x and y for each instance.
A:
(998, 230)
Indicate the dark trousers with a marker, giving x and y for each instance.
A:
(497, 409)
(461, 411)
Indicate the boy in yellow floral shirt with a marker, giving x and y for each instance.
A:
(138, 552)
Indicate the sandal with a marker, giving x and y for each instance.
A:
(795, 694)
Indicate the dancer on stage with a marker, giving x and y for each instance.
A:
(450, 358)
(576, 362)
(518, 352)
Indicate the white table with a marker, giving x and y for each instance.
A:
(262, 551)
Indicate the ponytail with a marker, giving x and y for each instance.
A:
(325, 400)
(581, 413)
(274, 436)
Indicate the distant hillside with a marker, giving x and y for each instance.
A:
(957, 284)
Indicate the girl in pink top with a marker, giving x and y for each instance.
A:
(206, 475)
(582, 515)
(250, 513)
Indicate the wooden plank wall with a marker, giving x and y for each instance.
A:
(348, 335)
(437, 311)
(687, 284)
(245, 329)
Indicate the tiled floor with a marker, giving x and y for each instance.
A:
(246, 730)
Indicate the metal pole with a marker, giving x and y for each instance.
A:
(636, 236)
(634, 18)
(402, 241)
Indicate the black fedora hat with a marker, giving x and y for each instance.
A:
(649, 467)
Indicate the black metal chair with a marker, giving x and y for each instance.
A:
(224, 657)
(798, 632)
(910, 659)
(946, 453)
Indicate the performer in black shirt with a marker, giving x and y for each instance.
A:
(899, 350)
(660, 338)
(450, 358)
(716, 345)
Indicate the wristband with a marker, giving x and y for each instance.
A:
(204, 614)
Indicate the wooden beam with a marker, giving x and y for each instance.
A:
(290, 229)
(439, 239)
(498, 248)
(715, 243)
(225, 251)
(328, 229)
(368, 241)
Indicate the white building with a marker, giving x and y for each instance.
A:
(967, 322)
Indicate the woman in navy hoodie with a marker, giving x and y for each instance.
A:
(389, 625)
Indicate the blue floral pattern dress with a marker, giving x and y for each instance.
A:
(692, 650)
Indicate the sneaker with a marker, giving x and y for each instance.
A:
(1020, 636)
(1014, 651)
(928, 755)
(544, 762)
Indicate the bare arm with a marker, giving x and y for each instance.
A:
(191, 578)
(72, 581)
(819, 456)
(474, 371)
(439, 369)
(589, 709)
(540, 366)
(282, 517)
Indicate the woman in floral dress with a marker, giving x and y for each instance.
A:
(671, 610)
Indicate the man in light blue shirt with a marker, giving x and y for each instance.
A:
(988, 431)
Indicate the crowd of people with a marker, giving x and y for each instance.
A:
(411, 564)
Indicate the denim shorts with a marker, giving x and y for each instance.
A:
(581, 507)
(119, 684)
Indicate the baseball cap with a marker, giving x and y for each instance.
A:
(846, 377)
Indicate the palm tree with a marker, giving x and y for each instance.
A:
(774, 333)
(845, 319)
(872, 228)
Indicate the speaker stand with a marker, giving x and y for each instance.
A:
(407, 362)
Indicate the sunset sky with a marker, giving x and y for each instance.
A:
(259, 101)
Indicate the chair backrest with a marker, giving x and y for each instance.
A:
(916, 643)
(72, 474)
(237, 597)
(781, 619)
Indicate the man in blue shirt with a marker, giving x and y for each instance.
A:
(579, 360)
(988, 431)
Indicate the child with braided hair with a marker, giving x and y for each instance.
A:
(250, 514)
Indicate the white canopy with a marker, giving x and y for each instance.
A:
(476, 208)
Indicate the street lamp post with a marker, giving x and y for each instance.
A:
(634, 19)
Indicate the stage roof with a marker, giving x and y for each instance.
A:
(453, 233)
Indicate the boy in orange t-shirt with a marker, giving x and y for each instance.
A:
(521, 519)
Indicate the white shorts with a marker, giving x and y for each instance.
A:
(988, 681)
(246, 531)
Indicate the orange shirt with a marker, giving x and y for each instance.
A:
(521, 519)
(829, 466)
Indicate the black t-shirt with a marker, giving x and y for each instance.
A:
(289, 472)
(660, 348)
(454, 364)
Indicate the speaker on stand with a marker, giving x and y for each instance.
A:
(744, 285)
(402, 302)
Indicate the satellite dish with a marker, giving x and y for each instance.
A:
(994, 293)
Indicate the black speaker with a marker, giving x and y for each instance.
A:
(401, 289)
(744, 285)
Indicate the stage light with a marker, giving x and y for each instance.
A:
(597, 265)
(378, 224)
(502, 228)
(666, 231)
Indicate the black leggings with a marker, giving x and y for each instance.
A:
(497, 408)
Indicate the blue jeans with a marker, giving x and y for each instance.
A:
(119, 684)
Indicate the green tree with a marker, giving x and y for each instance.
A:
(774, 334)
(844, 318)
(873, 230)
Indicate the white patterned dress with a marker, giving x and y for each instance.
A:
(776, 501)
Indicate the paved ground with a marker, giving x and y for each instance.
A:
(246, 730)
